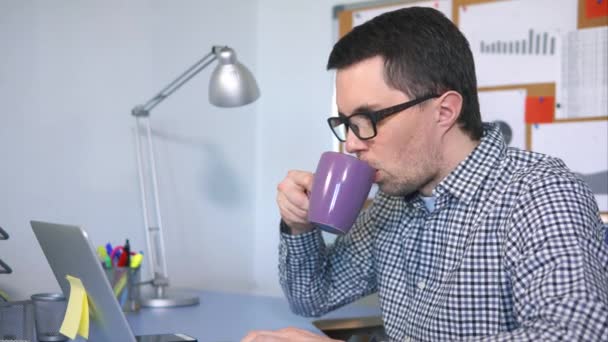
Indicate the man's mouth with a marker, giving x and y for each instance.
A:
(376, 176)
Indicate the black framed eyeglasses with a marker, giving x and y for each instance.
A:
(363, 124)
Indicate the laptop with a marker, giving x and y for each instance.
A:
(69, 252)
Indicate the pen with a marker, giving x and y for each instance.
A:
(127, 251)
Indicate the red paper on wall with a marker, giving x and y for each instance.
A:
(540, 109)
(596, 8)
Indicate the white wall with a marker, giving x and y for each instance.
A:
(294, 41)
(70, 72)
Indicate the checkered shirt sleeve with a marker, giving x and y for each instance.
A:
(514, 251)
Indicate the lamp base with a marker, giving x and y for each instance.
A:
(164, 297)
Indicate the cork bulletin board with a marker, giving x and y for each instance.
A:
(542, 70)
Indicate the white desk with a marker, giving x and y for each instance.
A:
(229, 317)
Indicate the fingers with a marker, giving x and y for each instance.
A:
(292, 210)
(292, 197)
(264, 336)
(284, 335)
(299, 179)
(303, 334)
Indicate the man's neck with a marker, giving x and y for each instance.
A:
(456, 147)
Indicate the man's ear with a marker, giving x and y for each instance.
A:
(450, 105)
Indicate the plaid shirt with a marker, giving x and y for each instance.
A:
(513, 251)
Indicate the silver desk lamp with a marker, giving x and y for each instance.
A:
(231, 85)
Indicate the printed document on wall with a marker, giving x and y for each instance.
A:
(507, 108)
(518, 41)
(584, 88)
(582, 146)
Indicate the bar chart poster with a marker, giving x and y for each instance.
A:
(537, 43)
(518, 41)
(507, 107)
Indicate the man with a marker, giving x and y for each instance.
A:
(466, 239)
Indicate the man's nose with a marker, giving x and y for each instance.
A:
(353, 144)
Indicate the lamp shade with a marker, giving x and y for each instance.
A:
(231, 83)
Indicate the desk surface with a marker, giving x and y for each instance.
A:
(229, 317)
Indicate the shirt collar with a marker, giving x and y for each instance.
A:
(472, 172)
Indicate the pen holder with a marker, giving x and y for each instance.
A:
(125, 283)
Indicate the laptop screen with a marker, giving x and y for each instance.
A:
(69, 252)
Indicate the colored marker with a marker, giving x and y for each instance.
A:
(127, 252)
(122, 261)
(102, 252)
(108, 262)
(116, 254)
(136, 260)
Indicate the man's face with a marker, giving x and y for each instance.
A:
(405, 150)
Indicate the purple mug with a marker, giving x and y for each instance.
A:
(340, 187)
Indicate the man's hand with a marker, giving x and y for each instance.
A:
(285, 335)
(292, 199)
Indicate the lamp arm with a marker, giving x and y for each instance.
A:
(146, 167)
(144, 110)
(148, 180)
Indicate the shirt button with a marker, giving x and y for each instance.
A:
(407, 339)
(421, 285)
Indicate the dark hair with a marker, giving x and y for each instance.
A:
(424, 53)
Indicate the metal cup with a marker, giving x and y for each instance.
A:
(49, 310)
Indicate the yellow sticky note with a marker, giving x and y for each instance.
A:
(76, 318)
(83, 328)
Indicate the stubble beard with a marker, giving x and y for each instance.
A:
(402, 187)
(411, 180)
